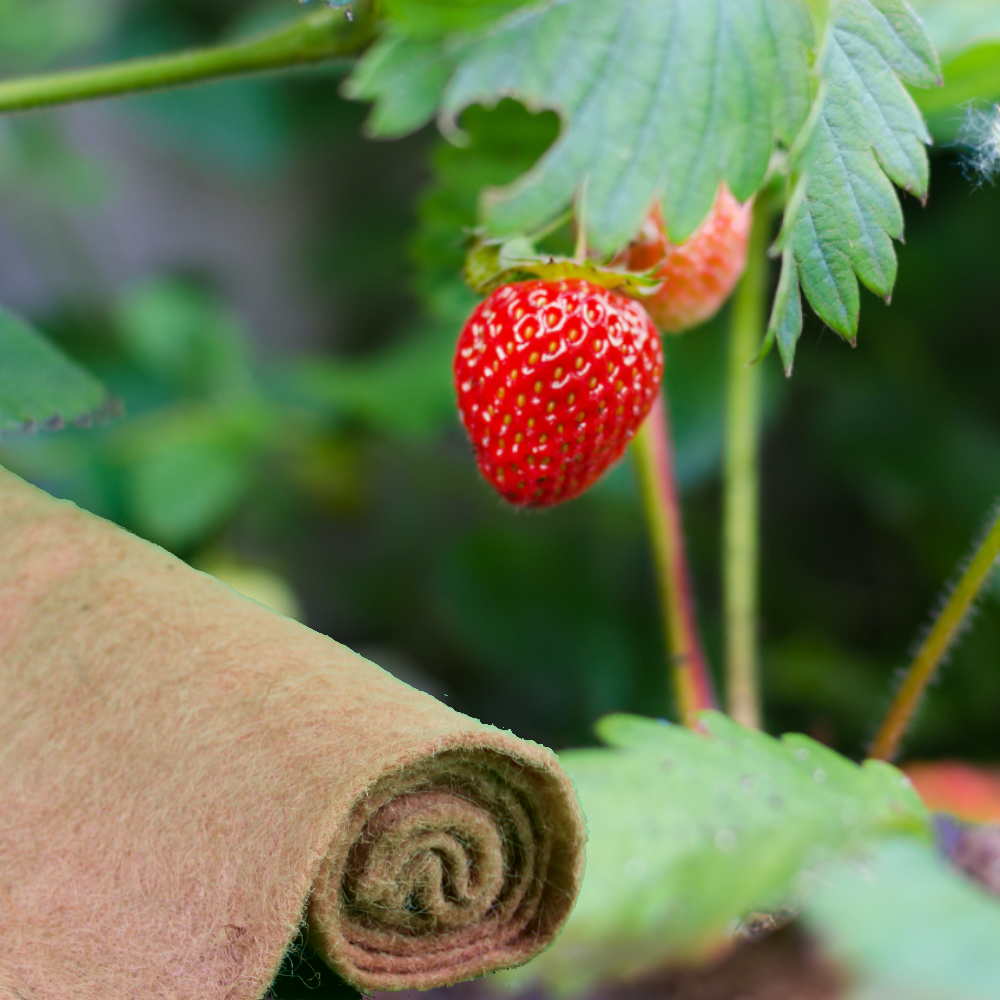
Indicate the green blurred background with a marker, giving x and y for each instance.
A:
(275, 299)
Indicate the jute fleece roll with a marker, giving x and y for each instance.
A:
(186, 776)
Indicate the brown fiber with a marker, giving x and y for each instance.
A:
(186, 776)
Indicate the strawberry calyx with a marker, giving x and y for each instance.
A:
(492, 263)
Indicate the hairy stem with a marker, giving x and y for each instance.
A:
(654, 454)
(742, 482)
(942, 634)
(323, 35)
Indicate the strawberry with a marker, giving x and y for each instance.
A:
(553, 380)
(698, 274)
(965, 791)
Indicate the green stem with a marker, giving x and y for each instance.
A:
(654, 454)
(325, 34)
(742, 481)
(949, 622)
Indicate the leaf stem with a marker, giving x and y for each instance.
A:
(741, 480)
(653, 449)
(323, 35)
(946, 628)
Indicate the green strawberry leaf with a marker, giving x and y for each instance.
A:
(38, 383)
(405, 78)
(668, 98)
(865, 134)
(664, 98)
(658, 98)
(904, 925)
(688, 835)
(785, 326)
(430, 18)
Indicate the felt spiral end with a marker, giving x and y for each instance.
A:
(463, 863)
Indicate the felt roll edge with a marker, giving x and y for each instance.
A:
(463, 857)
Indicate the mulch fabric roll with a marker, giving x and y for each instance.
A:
(186, 777)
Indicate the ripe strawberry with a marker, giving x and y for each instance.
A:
(553, 380)
(698, 274)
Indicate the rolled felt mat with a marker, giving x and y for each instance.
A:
(186, 777)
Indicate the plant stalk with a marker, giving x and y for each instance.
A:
(946, 628)
(325, 34)
(741, 481)
(654, 454)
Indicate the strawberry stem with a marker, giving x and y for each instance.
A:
(653, 449)
(317, 37)
(943, 633)
(741, 480)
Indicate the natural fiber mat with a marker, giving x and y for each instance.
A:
(186, 776)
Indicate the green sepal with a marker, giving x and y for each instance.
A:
(492, 263)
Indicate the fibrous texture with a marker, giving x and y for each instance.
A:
(185, 777)
(553, 380)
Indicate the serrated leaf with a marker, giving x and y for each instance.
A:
(785, 325)
(405, 78)
(658, 97)
(38, 382)
(904, 925)
(688, 834)
(867, 135)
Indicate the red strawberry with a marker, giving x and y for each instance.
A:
(698, 274)
(966, 791)
(553, 380)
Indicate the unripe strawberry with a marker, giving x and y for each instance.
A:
(553, 380)
(699, 274)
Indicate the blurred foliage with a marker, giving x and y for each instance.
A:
(904, 926)
(341, 478)
(733, 823)
(242, 128)
(259, 584)
(38, 383)
(37, 34)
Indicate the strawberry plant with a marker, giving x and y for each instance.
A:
(602, 172)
